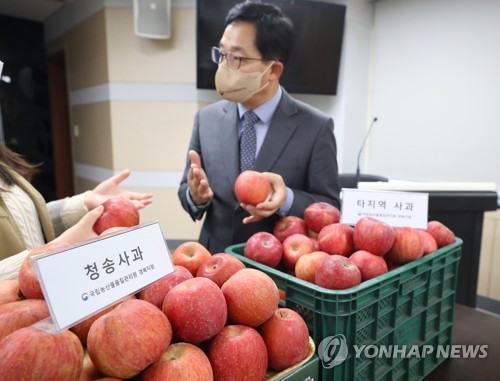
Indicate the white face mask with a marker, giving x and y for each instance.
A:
(233, 85)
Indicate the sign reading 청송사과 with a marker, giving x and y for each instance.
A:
(89, 277)
(395, 208)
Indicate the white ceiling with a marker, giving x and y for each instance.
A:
(35, 10)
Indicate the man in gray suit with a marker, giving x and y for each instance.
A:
(294, 144)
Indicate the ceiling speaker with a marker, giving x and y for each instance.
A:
(152, 18)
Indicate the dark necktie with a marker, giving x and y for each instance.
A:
(248, 141)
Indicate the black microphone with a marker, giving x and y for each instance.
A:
(361, 149)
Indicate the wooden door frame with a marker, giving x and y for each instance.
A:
(61, 131)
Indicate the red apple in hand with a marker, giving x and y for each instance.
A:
(336, 239)
(180, 362)
(286, 337)
(407, 246)
(373, 236)
(294, 247)
(289, 225)
(369, 264)
(251, 296)
(442, 234)
(118, 212)
(337, 273)
(219, 268)
(265, 248)
(252, 187)
(197, 310)
(190, 255)
(306, 265)
(238, 352)
(319, 214)
(30, 354)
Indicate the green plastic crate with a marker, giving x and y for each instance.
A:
(410, 305)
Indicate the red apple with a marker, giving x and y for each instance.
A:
(180, 362)
(265, 248)
(337, 273)
(319, 214)
(155, 292)
(315, 243)
(197, 310)
(289, 225)
(89, 371)
(251, 296)
(219, 268)
(128, 339)
(118, 211)
(306, 266)
(28, 281)
(407, 246)
(369, 264)
(442, 234)
(294, 247)
(336, 239)
(238, 352)
(9, 291)
(287, 338)
(190, 255)
(252, 187)
(114, 229)
(428, 242)
(82, 328)
(373, 235)
(30, 354)
(22, 313)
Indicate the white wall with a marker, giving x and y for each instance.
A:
(436, 90)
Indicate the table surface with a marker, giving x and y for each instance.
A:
(475, 327)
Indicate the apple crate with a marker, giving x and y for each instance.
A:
(409, 306)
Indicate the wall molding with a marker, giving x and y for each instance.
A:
(170, 92)
(137, 179)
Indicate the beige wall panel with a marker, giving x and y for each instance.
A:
(86, 53)
(139, 59)
(93, 146)
(486, 256)
(166, 208)
(494, 286)
(151, 135)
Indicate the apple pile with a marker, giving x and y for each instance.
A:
(210, 319)
(319, 249)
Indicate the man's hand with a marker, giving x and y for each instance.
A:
(199, 189)
(267, 208)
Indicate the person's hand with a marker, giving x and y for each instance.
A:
(199, 189)
(83, 229)
(267, 208)
(111, 188)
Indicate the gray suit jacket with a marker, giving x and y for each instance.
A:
(299, 145)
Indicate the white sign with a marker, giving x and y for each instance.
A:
(395, 208)
(89, 277)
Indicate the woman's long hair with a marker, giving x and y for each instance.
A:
(15, 162)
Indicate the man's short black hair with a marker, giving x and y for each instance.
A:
(274, 31)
